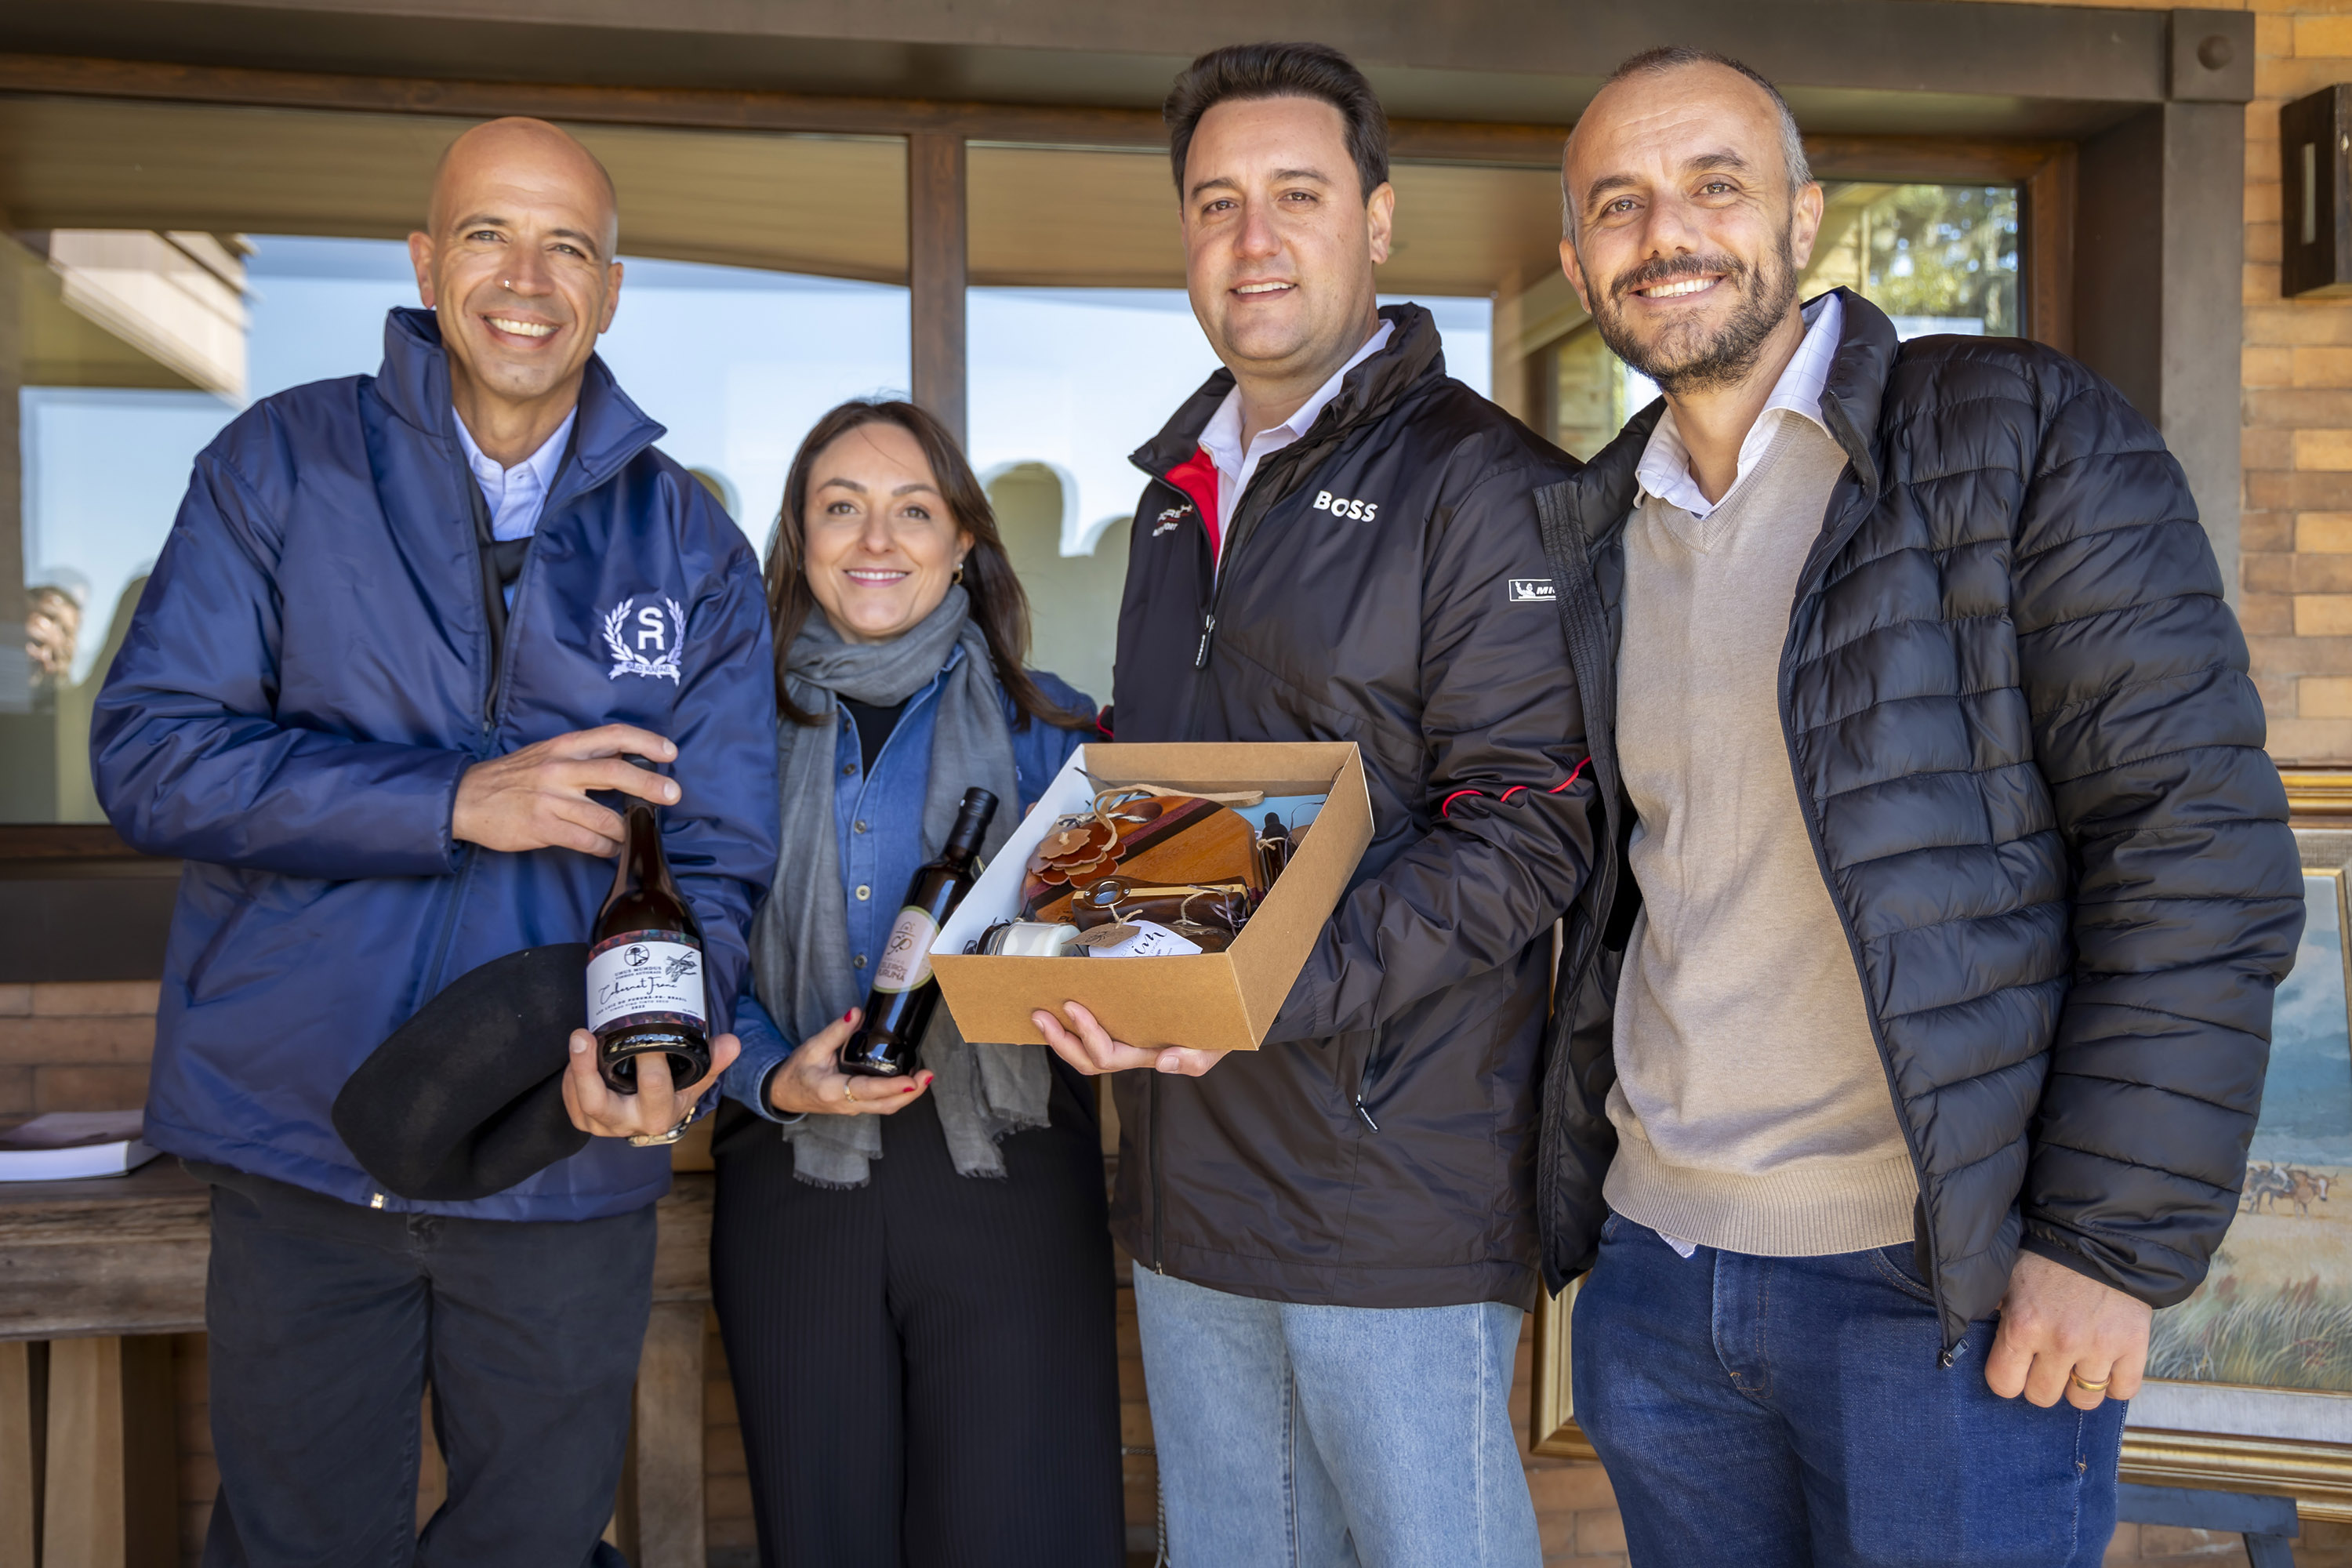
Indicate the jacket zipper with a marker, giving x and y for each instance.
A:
(1220, 569)
(493, 709)
(1934, 1271)
(1220, 564)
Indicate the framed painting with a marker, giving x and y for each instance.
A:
(2250, 1380)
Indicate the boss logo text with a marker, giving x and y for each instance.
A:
(1341, 506)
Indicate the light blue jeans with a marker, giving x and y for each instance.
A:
(1295, 1437)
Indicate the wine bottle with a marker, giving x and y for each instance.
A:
(899, 1007)
(644, 965)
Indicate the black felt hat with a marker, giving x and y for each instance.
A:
(466, 1098)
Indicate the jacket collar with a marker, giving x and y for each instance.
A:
(414, 386)
(1857, 387)
(1370, 390)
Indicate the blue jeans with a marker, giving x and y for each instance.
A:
(1295, 1437)
(1789, 1412)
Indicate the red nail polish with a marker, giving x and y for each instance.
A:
(851, 1013)
(908, 1088)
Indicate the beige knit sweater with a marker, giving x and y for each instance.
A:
(1753, 1109)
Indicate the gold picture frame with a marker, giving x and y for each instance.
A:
(2289, 1460)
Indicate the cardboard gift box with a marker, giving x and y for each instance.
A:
(1213, 1001)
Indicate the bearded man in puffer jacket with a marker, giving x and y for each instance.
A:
(1912, 1025)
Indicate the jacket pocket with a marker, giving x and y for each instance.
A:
(1893, 1264)
(1368, 1077)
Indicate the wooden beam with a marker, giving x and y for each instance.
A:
(63, 841)
(935, 272)
(1512, 145)
(684, 108)
(22, 1430)
(1958, 160)
(1009, 124)
(112, 1483)
(2045, 243)
(662, 1515)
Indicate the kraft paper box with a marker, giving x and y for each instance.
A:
(1214, 1001)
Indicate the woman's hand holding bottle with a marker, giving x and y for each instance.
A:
(811, 1080)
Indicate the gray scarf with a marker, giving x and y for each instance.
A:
(800, 943)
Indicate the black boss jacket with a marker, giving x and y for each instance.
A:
(1384, 583)
(2030, 763)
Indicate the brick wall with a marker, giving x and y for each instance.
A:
(74, 1047)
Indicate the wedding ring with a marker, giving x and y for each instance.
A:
(2086, 1385)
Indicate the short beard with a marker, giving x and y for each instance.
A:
(1677, 362)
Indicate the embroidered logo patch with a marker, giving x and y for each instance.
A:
(1168, 520)
(630, 637)
(1347, 506)
(1533, 591)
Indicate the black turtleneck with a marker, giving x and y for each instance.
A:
(874, 727)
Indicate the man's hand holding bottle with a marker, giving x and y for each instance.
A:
(656, 1108)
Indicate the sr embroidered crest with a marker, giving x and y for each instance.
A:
(629, 637)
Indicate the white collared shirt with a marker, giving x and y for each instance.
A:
(517, 495)
(1222, 437)
(1665, 470)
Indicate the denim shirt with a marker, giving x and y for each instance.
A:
(878, 821)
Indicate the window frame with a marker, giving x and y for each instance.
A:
(122, 934)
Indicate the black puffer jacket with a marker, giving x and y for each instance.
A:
(1384, 583)
(2019, 718)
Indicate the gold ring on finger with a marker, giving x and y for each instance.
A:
(846, 1097)
(2086, 1385)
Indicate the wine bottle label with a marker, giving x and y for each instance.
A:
(644, 972)
(906, 956)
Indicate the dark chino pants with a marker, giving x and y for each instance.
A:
(327, 1321)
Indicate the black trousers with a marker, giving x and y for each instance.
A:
(925, 1367)
(327, 1321)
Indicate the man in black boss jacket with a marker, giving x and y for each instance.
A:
(1914, 1020)
(1339, 544)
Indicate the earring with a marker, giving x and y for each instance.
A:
(506, 284)
(958, 573)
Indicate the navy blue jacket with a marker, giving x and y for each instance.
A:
(304, 683)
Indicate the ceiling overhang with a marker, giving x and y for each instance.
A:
(1922, 66)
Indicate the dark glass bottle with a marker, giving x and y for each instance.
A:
(899, 1007)
(644, 965)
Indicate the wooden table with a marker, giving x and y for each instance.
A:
(93, 1271)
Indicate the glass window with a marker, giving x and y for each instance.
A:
(170, 264)
(1936, 258)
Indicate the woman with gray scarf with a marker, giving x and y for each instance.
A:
(913, 1276)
